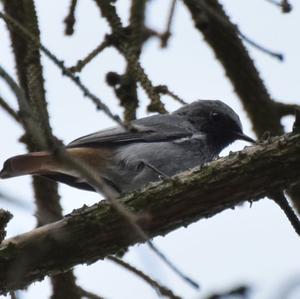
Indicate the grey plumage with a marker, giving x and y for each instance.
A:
(171, 143)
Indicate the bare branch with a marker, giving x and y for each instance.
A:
(163, 89)
(162, 290)
(16, 89)
(83, 62)
(225, 22)
(166, 35)
(283, 203)
(170, 204)
(261, 48)
(240, 292)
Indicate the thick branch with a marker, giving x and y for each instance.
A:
(92, 233)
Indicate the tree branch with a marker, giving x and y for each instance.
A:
(83, 62)
(92, 233)
(283, 203)
(164, 37)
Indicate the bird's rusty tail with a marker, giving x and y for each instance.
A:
(33, 163)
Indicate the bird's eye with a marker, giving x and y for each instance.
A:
(215, 116)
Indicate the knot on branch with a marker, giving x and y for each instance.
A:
(113, 79)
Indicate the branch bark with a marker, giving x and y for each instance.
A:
(92, 233)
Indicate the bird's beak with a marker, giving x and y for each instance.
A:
(242, 136)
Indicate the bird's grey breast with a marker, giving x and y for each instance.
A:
(130, 170)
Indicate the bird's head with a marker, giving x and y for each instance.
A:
(216, 120)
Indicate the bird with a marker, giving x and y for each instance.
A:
(156, 146)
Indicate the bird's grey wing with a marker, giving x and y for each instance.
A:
(150, 129)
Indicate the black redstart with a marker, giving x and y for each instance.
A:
(159, 144)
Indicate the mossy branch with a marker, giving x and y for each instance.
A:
(92, 233)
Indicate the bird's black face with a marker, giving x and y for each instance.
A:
(218, 122)
(221, 129)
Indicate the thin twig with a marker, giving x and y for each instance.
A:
(237, 292)
(25, 110)
(283, 203)
(254, 44)
(284, 5)
(83, 62)
(70, 18)
(96, 100)
(14, 86)
(166, 35)
(6, 107)
(214, 14)
(163, 89)
(162, 290)
(274, 2)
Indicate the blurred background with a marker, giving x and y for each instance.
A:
(250, 245)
